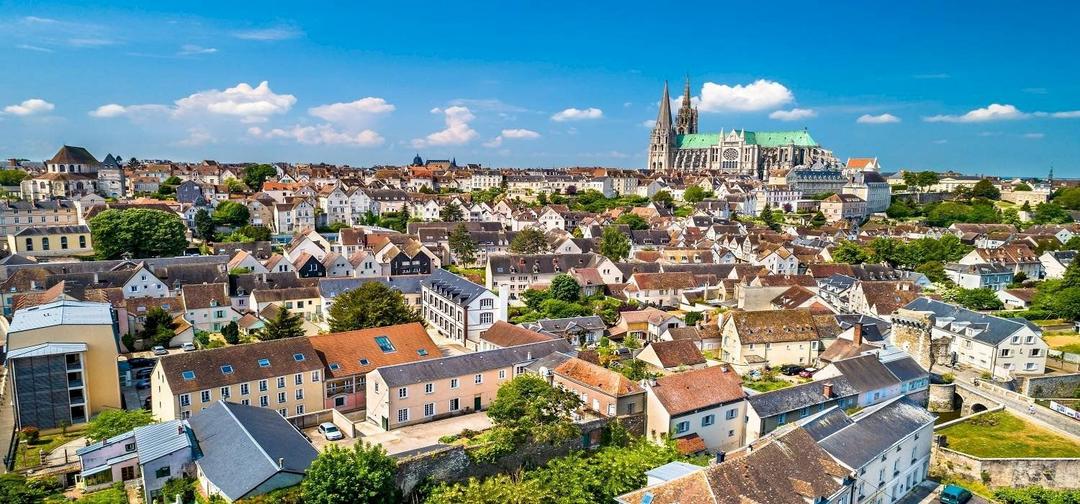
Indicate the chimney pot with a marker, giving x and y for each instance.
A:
(827, 389)
(856, 338)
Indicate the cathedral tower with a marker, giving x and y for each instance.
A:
(662, 141)
(686, 120)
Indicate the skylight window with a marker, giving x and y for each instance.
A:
(264, 362)
(335, 366)
(227, 369)
(363, 362)
(384, 343)
(188, 375)
(422, 352)
(298, 357)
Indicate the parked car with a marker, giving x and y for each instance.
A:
(807, 373)
(147, 403)
(143, 373)
(140, 362)
(790, 369)
(330, 431)
(188, 347)
(953, 494)
(159, 350)
(142, 383)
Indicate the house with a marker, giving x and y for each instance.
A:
(54, 241)
(152, 454)
(979, 276)
(283, 375)
(61, 361)
(844, 207)
(1016, 298)
(580, 331)
(779, 261)
(671, 356)
(519, 272)
(768, 411)
(1054, 263)
(208, 306)
(304, 301)
(309, 266)
(418, 392)
(659, 289)
(349, 356)
(787, 469)
(1017, 257)
(645, 325)
(247, 451)
(706, 337)
(769, 338)
(1000, 346)
(460, 310)
(504, 335)
(866, 373)
(601, 390)
(703, 409)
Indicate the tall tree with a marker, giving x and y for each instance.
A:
(633, 221)
(373, 304)
(529, 241)
(614, 244)
(140, 232)
(565, 288)
(158, 327)
(231, 213)
(284, 325)
(451, 212)
(255, 175)
(985, 189)
(531, 408)
(462, 245)
(204, 225)
(695, 193)
(663, 198)
(231, 333)
(361, 475)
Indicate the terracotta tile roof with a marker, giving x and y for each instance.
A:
(503, 335)
(605, 380)
(701, 388)
(689, 445)
(774, 326)
(656, 281)
(887, 297)
(242, 362)
(679, 352)
(357, 352)
(199, 296)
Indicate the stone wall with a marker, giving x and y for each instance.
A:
(912, 331)
(942, 397)
(1062, 473)
(1051, 387)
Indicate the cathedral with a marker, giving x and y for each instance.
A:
(677, 146)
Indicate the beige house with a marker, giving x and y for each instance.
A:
(18, 215)
(424, 391)
(59, 241)
(208, 307)
(62, 362)
(284, 375)
(769, 338)
(703, 410)
(839, 207)
(602, 391)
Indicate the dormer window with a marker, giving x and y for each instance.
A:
(187, 375)
(264, 362)
(226, 369)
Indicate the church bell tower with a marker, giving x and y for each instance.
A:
(662, 141)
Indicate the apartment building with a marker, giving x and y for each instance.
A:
(424, 391)
(52, 241)
(18, 215)
(773, 338)
(460, 310)
(283, 375)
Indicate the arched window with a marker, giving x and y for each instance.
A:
(45, 243)
(63, 242)
(82, 241)
(63, 168)
(29, 244)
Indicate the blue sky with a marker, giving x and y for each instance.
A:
(981, 88)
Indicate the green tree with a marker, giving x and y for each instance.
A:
(911, 179)
(11, 177)
(663, 198)
(113, 422)
(634, 221)
(361, 475)
(1072, 244)
(542, 198)
(255, 175)
(373, 304)
(231, 333)
(158, 327)
(974, 299)
(529, 241)
(927, 178)
(231, 213)
(235, 186)
(14, 489)
(531, 408)
(818, 220)
(451, 212)
(985, 189)
(256, 233)
(565, 288)
(462, 244)
(140, 232)
(283, 325)
(498, 489)
(768, 217)
(694, 194)
(850, 253)
(1050, 213)
(204, 225)
(1023, 186)
(934, 271)
(614, 244)
(692, 318)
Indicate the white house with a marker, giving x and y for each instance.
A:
(459, 309)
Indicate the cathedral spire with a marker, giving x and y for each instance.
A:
(686, 93)
(663, 119)
(686, 119)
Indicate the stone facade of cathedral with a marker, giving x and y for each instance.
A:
(677, 146)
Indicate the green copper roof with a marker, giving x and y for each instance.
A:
(800, 138)
(697, 140)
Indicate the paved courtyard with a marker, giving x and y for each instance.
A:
(407, 439)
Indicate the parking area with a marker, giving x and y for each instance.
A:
(407, 439)
(138, 390)
(928, 493)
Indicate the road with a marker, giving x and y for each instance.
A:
(7, 418)
(928, 492)
(1042, 414)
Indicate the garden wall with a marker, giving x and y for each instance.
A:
(1051, 387)
(1059, 473)
(942, 397)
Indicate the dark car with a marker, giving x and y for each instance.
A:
(790, 369)
(147, 404)
(953, 494)
(140, 362)
(144, 373)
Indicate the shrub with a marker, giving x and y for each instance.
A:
(948, 378)
(30, 434)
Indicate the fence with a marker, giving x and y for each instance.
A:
(315, 418)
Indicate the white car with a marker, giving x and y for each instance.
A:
(188, 347)
(330, 431)
(160, 350)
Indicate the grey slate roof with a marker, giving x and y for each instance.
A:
(470, 363)
(995, 329)
(408, 284)
(589, 323)
(866, 373)
(241, 446)
(906, 369)
(454, 287)
(875, 431)
(874, 330)
(824, 424)
(158, 440)
(773, 403)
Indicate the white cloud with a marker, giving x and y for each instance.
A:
(197, 137)
(792, 115)
(1035, 136)
(491, 104)
(352, 111)
(194, 50)
(132, 111)
(269, 34)
(1070, 114)
(29, 47)
(877, 119)
(90, 42)
(512, 134)
(29, 107)
(323, 134)
(758, 95)
(648, 123)
(250, 104)
(457, 132)
(574, 114)
(992, 112)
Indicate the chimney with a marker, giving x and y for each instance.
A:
(856, 337)
(281, 463)
(180, 430)
(827, 390)
(720, 457)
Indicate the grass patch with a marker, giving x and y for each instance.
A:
(113, 495)
(28, 455)
(766, 384)
(1003, 435)
(1066, 341)
(1048, 322)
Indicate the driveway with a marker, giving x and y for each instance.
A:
(414, 438)
(929, 491)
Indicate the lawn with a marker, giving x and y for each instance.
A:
(28, 455)
(766, 384)
(1066, 341)
(1003, 435)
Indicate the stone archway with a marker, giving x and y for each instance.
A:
(978, 407)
